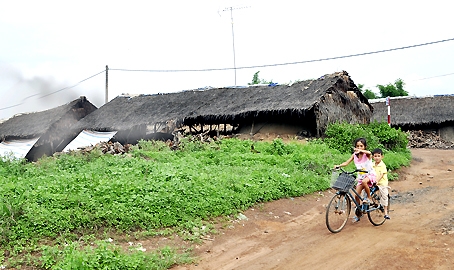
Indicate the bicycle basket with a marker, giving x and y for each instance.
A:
(344, 182)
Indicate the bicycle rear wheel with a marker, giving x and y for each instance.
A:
(337, 212)
(377, 216)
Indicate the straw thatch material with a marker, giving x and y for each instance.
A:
(415, 112)
(48, 125)
(312, 103)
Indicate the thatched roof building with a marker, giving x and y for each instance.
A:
(308, 105)
(419, 113)
(47, 125)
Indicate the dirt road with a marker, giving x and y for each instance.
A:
(291, 233)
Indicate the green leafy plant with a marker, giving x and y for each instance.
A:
(257, 80)
(155, 190)
(104, 255)
(377, 134)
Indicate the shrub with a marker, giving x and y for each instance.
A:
(378, 135)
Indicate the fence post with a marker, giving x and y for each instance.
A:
(388, 103)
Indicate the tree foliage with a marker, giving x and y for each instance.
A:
(367, 92)
(393, 90)
(257, 80)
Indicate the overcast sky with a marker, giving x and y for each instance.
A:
(49, 48)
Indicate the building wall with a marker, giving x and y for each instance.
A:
(336, 108)
(447, 133)
(275, 128)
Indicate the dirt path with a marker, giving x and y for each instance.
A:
(291, 233)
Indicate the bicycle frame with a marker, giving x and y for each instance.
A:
(339, 207)
(363, 207)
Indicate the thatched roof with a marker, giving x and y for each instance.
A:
(415, 111)
(32, 125)
(221, 105)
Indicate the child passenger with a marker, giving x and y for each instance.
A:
(363, 161)
(382, 179)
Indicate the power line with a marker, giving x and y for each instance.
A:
(434, 77)
(72, 86)
(69, 87)
(248, 67)
(289, 63)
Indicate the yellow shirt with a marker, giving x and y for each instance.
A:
(381, 169)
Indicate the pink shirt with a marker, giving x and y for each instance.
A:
(365, 164)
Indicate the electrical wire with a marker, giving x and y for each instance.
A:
(69, 87)
(247, 67)
(289, 63)
(434, 77)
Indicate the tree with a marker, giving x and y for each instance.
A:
(367, 93)
(257, 80)
(393, 90)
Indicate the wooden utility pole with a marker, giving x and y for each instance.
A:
(233, 35)
(107, 84)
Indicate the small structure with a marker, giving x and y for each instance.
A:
(16, 148)
(306, 107)
(88, 138)
(431, 113)
(46, 127)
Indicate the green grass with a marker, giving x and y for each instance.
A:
(60, 199)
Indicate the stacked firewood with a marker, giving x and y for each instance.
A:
(427, 139)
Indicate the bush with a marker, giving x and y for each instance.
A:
(377, 134)
(391, 138)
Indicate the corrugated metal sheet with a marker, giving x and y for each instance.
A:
(16, 148)
(88, 138)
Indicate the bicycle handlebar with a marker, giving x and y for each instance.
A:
(352, 172)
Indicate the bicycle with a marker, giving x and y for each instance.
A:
(339, 207)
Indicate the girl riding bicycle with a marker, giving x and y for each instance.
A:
(363, 161)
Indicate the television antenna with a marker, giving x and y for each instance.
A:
(233, 35)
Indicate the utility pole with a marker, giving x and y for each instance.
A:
(107, 85)
(233, 35)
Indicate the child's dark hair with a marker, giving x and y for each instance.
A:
(377, 151)
(362, 140)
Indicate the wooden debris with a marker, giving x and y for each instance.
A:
(427, 139)
(115, 148)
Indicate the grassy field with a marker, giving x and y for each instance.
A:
(60, 212)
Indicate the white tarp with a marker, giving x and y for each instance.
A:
(88, 138)
(16, 148)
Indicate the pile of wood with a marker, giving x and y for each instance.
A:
(426, 139)
(115, 148)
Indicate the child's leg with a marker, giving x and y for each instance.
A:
(359, 189)
(365, 185)
(384, 198)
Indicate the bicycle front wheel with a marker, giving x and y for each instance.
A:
(377, 216)
(337, 212)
